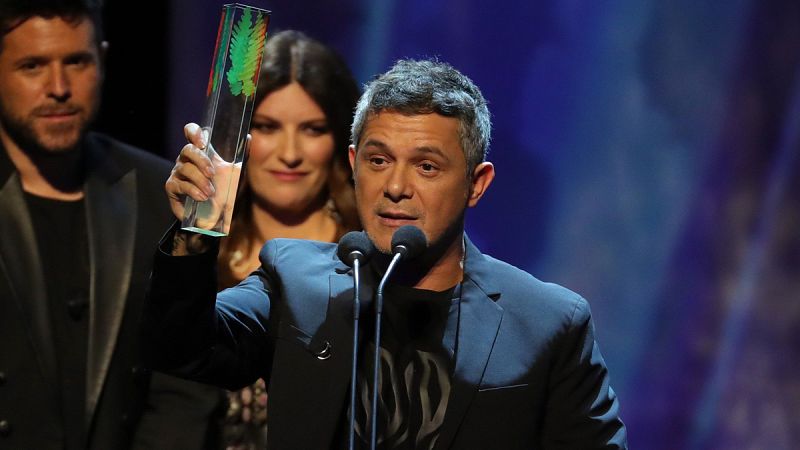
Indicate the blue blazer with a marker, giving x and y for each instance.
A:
(528, 372)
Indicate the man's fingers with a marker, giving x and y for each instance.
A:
(190, 173)
(175, 194)
(177, 189)
(196, 156)
(193, 173)
(195, 135)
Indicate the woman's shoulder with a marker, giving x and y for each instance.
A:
(282, 251)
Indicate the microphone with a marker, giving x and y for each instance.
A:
(354, 248)
(408, 242)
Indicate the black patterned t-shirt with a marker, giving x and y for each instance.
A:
(416, 366)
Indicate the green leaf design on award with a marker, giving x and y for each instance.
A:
(219, 52)
(247, 45)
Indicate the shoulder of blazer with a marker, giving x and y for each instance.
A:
(110, 159)
(520, 293)
(6, 166)
(307, 255)
(115, 158)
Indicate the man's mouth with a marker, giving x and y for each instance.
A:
(57, 113)
(394, 218)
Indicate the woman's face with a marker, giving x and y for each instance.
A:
(290, 152)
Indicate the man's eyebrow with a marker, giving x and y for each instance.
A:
(373, 143)
(435, 150)
(81, 55)
(425, 149)
(38, 59)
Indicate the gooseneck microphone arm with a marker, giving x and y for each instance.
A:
(377, 357)
(407, 242)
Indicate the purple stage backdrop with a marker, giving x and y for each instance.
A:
(648, 157)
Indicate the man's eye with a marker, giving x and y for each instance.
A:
(29, 66)
(78, 62)
(377, 161)
(428, 167)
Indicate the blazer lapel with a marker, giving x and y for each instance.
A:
(324, 396)
(479, 319)
(111, 219)
(19, 259)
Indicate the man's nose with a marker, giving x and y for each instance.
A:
(59, 85)
(399, 185)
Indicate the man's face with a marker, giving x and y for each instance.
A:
(411, 170)
(50, 80)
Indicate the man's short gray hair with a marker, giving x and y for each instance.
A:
(424, 87)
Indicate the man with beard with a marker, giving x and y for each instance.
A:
(78, 221)
(474, 353)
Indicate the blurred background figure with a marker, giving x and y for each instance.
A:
(298, 182)
(654, 142)
(77, 227)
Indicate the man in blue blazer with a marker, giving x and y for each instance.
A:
(475, 353)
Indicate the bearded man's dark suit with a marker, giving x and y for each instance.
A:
(125, 215)
(528, 373)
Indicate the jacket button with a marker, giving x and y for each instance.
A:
(5, 428)
(323, 351)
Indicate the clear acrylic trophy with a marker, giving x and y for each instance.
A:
(228, 109)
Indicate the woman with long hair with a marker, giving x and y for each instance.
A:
(298, 182)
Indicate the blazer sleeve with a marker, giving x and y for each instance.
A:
(582, 409)
(192, 332)
(178, 414)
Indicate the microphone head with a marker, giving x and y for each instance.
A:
(409, 241)
(355, 245)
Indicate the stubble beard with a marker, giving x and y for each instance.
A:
(435, 248)
(48, 140)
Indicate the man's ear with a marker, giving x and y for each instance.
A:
(482, 177)
(351, 155)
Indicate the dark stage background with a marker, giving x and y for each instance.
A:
(647, 157)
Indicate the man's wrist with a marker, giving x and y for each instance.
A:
(188, 243)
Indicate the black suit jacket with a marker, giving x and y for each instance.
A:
(528, 372)
(125, 213)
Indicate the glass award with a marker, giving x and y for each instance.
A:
(226, 118)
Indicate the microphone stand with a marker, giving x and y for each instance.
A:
(353, 371)
(354, 248)
(377, 356)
